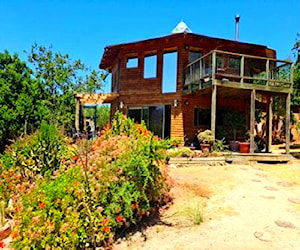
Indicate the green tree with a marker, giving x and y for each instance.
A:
(60, 78)
(296, 49)
(103, 115)
(19, 102)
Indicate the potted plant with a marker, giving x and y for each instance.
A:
(206, 139)
(245, 145)
(233, 122)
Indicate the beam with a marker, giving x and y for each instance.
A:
(269, 124)
(252, 119)
(287, 123)
(213, 110)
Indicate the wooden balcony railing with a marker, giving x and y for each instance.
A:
(238, 70)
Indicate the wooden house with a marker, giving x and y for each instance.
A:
(184, 82)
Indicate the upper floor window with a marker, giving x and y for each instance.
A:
(169, 81)
(150, 66)
(132, 62)
(194, 55)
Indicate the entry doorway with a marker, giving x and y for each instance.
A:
(156, 118)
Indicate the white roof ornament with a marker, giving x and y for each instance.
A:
(181, 28)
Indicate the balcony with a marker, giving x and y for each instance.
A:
(238, 71)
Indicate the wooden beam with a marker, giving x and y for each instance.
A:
(252, 119)
(213, 110)
(269, 124)
(287, 123)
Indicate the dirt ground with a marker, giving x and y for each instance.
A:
(243, 207)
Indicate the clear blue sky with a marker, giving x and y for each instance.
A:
(83, 28)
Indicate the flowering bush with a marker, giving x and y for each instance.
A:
(106, 186)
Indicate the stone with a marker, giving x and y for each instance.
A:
(284, 224)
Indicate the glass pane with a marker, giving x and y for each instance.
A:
(132, 62)
(169, 82)
(150, 66)
(156, 120)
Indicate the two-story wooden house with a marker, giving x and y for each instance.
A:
(184, 82)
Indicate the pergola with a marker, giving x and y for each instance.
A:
(84, 99)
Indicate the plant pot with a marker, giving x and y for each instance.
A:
(234, 146)
(244, 147)
(205, 147)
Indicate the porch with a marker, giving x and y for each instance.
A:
(242, 76)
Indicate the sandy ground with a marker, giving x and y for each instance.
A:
(243, 207)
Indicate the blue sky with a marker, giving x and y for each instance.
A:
(83, 28)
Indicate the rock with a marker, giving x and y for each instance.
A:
(294, 200)
(284, 184)
(284, 224)
(267, 197)
(271, 188)
(263, 236)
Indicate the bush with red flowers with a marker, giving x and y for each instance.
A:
(114, 182)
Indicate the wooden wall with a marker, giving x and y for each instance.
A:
(136, 91)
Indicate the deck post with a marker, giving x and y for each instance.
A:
(287, 123)
(213, 110)
(77, 114)
(252, 119)
(269, 124)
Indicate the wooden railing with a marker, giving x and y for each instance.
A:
(238, 70)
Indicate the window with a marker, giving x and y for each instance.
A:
(234, 62)
(194, 55)
(150, 63)
(169, 81)
(132, 62)
(202, 117)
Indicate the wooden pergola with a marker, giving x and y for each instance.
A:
(85, 99)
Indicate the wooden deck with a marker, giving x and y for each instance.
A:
(235, 158)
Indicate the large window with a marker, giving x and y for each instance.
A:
(150, 63)
(156, 118)
(169, 82)
(202, 117)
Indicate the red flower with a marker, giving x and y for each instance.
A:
(105, 221)
(106, 229)
(74, 232)
(119, 219)
(51, 223)
(76, 183)
(2, 245)
(42, 205)
(75, 157)
(14, 235)
(135, 206)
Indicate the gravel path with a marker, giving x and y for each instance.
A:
(246, 207)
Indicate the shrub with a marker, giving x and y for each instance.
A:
(111, 184)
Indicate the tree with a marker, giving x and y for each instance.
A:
(61, 78)
(19, 102)
(296, 73)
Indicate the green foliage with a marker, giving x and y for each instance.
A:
(60, 78)
(103, 115)
(296, 72)
(110, 184)
(219, 145)
(19, 102)
(234, 122)
(206, 136)
(180, 152)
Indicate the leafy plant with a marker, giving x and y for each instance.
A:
(219, 145)
(206, 136)
(110, 184)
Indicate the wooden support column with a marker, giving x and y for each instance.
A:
(269, 124)
(213, 110)
(287, 123)
(252, 119)
(77, 114)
